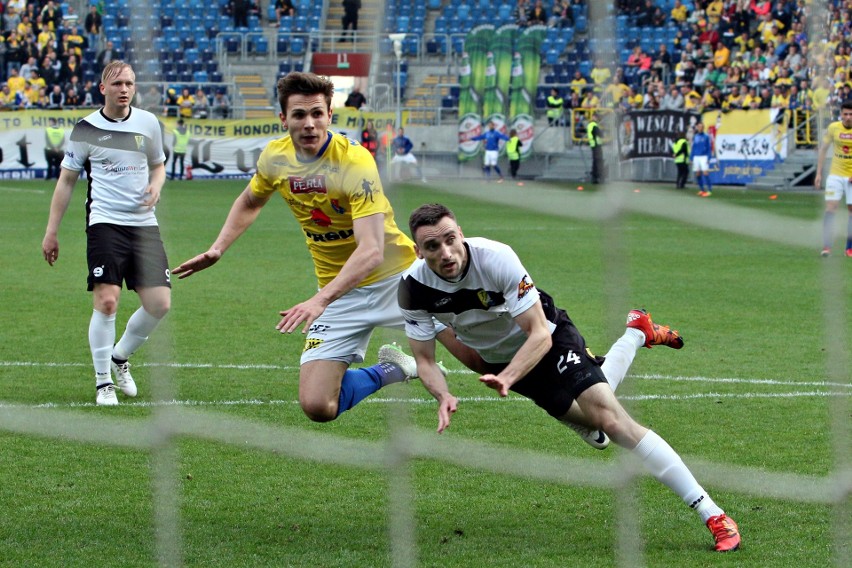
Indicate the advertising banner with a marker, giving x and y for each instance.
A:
(746, 143)
(217, 148)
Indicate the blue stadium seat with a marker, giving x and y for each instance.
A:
(282, 43)
(260, 46)
(551, 56)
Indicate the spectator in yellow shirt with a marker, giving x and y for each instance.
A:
(780, 98)
(600, 75)
(734, 100)
(578, 83)
(691, 98)
(722, 56)
(590, 100)
(821, 94)
(7, 98)
(15, 81)
(679, 12)
(185, 102)
(36, 81)
(752, 100)
(714, 11)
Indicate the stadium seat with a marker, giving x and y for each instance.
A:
(551, 57)
(282, 43)
(260, 46)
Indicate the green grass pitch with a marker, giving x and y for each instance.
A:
(748, 391)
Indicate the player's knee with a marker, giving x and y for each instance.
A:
(319, 411)
(106, 304)
(160, 308)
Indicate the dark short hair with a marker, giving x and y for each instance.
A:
(847, 104)
(297, 83)
(428, 215)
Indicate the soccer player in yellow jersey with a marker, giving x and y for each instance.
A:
(332, 186)
(839, 181)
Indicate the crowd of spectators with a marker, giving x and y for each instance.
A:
(42, 63)
(726, 55)
(41, 53)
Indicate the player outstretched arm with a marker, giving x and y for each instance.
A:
(433, 379)
(368, 254)
(538, 343)
(243, 213)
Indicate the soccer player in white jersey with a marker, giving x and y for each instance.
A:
(530, 346)
(839, 182)
(333, 189)
(121, 149)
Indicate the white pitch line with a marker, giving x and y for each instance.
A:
(378, 400)
(273, 367)
(21, 189)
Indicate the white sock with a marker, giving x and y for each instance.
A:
(666, 466)
(101, 338)
(139, 327)
(620, 356)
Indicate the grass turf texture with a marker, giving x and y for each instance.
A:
(748, 309)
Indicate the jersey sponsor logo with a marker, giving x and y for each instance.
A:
(313, 343)
(330, 236)
(320, 218)
(844, 136)
(105, 138)
(335, 204)
(524, 286)
(308, 184)
(412, 323)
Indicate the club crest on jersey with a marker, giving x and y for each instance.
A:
(140, 142)
(524, 286)
(485, 298)
(335, 204)
(308, 184)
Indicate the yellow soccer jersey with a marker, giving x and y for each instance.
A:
(841, 140)
(325, 195)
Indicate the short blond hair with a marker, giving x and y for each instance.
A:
(113, 69)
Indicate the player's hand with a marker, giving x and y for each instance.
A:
(496, 383)
(197, 263)
(817, 181)
(446, 408)
(153, 197)
(305, 312)
(50, 249)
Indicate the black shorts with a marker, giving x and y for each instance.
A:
(133, 255)
(568, 369)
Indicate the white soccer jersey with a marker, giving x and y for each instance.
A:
(480, 306)
(116, 156)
